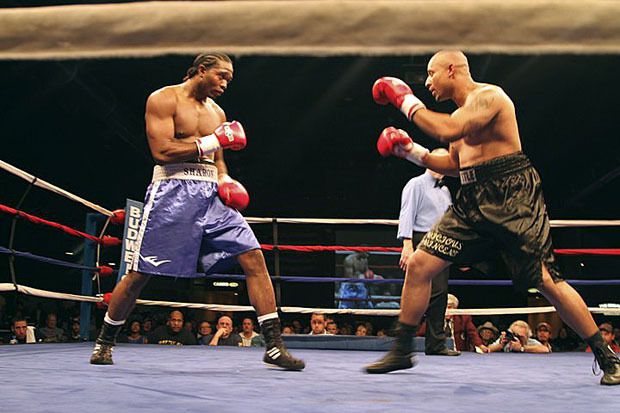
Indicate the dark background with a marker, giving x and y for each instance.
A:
(312, 128)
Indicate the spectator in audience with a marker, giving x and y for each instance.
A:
(173, 332)
(189, 326)
(74, 334)
(19, 330)
(381, 333)
(223, 336)
(332, 328)
(567, 340)
(346, 329)
(518, 339)
(360, 330)
(607, 331)
(247, 333)
(204, 329)
(134, 336)
(288, 330)
(317, 324)
(488, 333)
(51, 333)
(147, 326)
(298, 327)
(369, 328)
(543, 334)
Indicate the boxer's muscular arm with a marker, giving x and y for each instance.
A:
(478, 112)
(159, 117)
(219, 154)
(443, 164)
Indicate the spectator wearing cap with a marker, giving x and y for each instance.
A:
(607, 331)
(488, 333)
(543, 334)
(460, 328)
(518, 339)
(74, 334)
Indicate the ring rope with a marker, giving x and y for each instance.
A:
(103, 269)
(319, 248)
(106, 240)
(106, 270)
(556, 223)
(52, 188)
(33, 180)
(303, 310)
(305, 279)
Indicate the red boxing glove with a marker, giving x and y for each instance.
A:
(229, 135)
(397, 142)
(391, 137)
(233, 194)
(398, 93)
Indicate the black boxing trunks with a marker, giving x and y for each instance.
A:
(499, 208)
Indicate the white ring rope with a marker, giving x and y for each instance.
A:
(53, 188)
(303, 310)
(255, 220)
(556, 223)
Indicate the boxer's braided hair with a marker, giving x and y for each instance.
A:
(207, 60)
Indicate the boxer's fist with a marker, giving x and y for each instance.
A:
(391, 140)
(397, 142)
(398, 93)
(229, 135)
(232, 193)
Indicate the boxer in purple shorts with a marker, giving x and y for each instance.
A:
(191, 224)
(178, 235)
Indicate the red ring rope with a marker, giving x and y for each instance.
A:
(106, 240)
(315, 248)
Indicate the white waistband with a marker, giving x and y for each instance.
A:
(191, 171)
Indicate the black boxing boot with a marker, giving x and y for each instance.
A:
(401, 356)
(102, 353)
(276, 354)
(609, 363)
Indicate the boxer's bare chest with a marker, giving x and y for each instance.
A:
(194, 119)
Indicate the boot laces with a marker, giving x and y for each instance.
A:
(607, 362)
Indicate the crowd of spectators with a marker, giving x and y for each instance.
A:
(188, 327)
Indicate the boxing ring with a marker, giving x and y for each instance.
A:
(58, 377)
(49, 377)
(193, 378)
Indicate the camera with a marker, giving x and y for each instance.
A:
(510, 336)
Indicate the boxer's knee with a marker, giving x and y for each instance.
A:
(253, 262)
(548, 283)
(423, 267)
(133, 282)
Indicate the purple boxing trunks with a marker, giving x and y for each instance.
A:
(186, 230)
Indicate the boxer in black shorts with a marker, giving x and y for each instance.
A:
(500, 206)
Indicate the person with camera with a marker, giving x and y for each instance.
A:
(518, 339)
